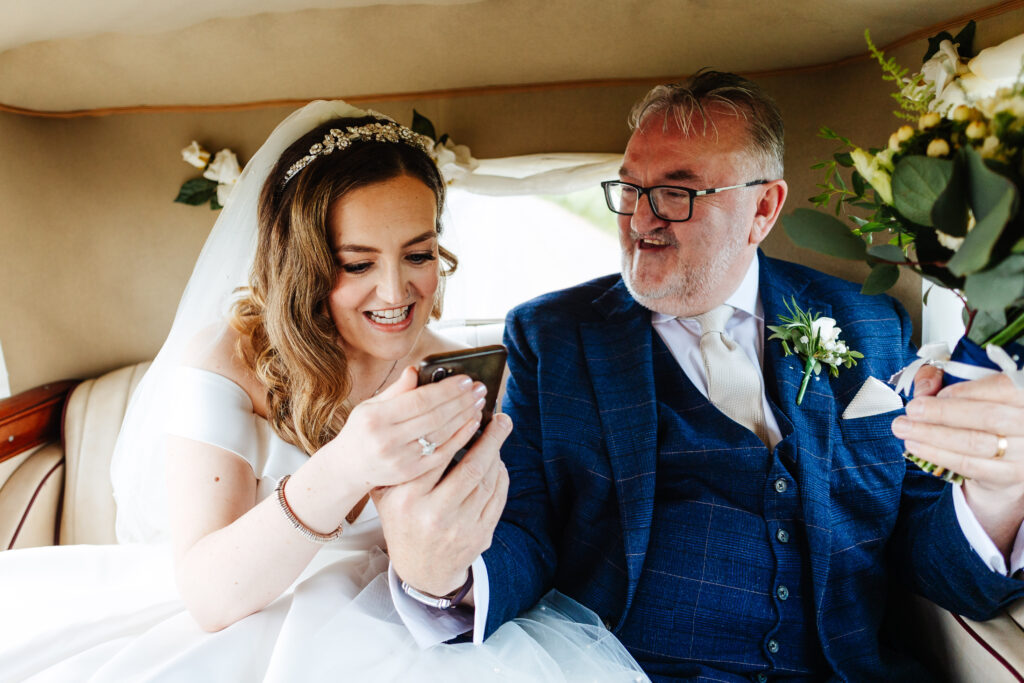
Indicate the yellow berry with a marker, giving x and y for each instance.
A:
(929, 120)
(976, 130)
(938, 148)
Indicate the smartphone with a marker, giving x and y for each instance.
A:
(484, 364)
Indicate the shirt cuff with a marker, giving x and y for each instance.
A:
(430, 626)
(980, 541)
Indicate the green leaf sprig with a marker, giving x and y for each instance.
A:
(815, 339)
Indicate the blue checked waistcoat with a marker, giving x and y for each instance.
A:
(587, 513)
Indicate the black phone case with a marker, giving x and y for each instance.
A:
(485, 364)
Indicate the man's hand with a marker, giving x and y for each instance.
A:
(436, 529)
(962, 428)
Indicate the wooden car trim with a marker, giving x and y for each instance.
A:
(33, 417)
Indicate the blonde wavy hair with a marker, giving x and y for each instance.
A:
(288, 337)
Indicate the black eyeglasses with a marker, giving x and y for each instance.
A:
(668, 202)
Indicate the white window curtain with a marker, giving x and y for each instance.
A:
(532, 174)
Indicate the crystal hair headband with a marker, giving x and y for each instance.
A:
(382, 131)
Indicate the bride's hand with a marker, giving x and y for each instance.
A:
(380, 440)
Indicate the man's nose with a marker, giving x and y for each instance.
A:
(643, 219)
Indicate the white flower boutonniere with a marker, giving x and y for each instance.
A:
(815, 339)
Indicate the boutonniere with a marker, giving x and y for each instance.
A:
(815, 339)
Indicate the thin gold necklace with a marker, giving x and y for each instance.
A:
(381, 385)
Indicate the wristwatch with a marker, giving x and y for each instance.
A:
(449, 601)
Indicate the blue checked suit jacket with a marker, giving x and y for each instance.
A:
(582, 466)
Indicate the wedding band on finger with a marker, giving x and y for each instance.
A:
(426, 447)
(1001, 445)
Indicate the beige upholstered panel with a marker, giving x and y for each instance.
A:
(1017, 614)
(970, 651)
(30, 496)
(94, 414)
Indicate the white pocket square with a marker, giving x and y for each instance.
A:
(875, 397)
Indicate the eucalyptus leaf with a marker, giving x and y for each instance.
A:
(994, 201)
(996, 289)
(949, 213)
(197, 191)
(422, 125)
(859, 187)
(823, 233)
(964, 40)
(985, 325)
(934, 42)
(917, 182)
(881, 278)
(887, 252)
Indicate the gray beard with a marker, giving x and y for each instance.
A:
(689, 288)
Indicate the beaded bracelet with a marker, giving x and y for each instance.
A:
(311, 535)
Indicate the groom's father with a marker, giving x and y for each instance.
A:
(660, 470)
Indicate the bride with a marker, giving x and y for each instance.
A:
(251, 547)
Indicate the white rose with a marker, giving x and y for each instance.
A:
(873, 170)
(224, 168)
(997, 67)
(953, 96)
(943, 67)
(195, 155)
(804, 339)
(454, 161)
(826, 330)
(224, 193)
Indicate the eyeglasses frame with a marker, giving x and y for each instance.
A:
(641, 191)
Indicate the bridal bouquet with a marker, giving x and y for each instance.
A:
(942, 196)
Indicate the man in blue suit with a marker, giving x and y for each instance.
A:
(715, 545)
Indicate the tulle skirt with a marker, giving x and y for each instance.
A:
(112, 613)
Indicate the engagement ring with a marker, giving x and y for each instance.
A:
(428, 447)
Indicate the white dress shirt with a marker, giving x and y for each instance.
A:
(431, 626)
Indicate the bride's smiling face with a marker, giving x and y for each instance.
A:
(384, 239)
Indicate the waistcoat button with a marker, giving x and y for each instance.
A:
(782, 535)
(781, 485)
(782, 592)
(773, 646)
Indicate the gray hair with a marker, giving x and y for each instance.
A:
(688, 103)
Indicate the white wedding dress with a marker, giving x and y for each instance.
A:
(112, 613)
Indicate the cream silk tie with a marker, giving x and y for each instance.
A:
(734, 383)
